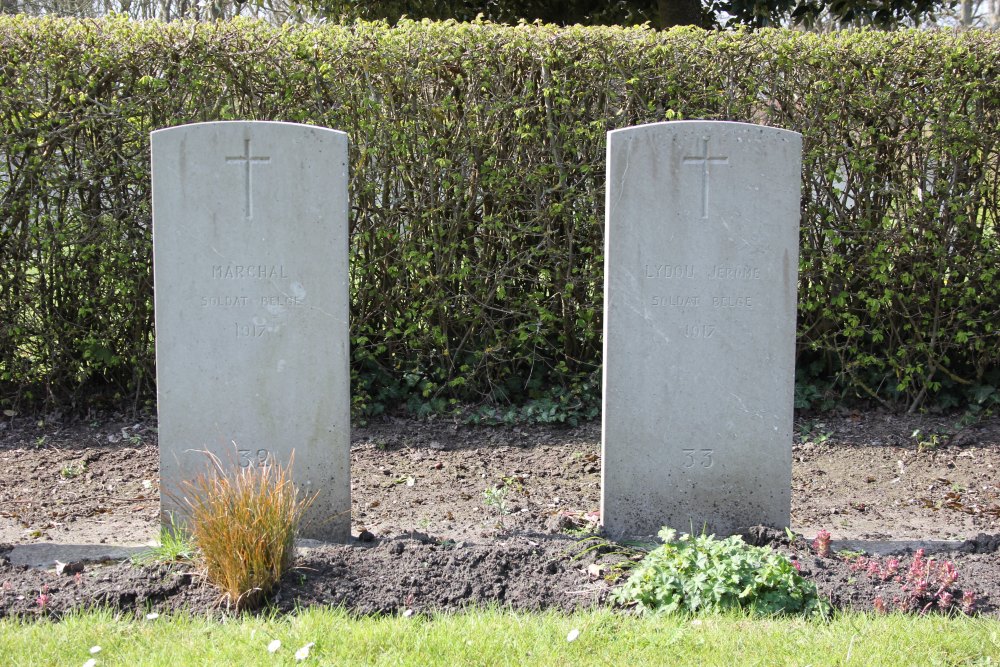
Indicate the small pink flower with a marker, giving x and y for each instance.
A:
(880, 605)
(968, 601)
(945, 600)
(796, 565)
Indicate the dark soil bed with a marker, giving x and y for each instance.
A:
(418, 492)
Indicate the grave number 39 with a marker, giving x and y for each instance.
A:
(251, 459)
(701, 458)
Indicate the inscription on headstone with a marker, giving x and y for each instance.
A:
(699, 343)
(251, 295)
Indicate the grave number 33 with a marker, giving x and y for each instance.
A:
(701, 458)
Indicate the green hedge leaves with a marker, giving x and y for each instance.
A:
(477, 186)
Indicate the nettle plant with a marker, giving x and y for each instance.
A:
(704, 574)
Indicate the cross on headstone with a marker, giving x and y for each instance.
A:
(248, 160)
(705, 160)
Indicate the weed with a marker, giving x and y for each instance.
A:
(793, 539)
(72, 471)
(43, 598)
(174, 547)
(513, 483)
(579, 524)
(931, 441)
(629, 555)
(496, 497)
(814, 432)
(244, 524)
(696, 574)
(986, 398)
(558, 405)
(821, 545)
(924, 585)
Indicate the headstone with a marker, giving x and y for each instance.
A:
(250, 251)
(699, 342)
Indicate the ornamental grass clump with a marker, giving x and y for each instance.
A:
(244, 525)
(703, 574)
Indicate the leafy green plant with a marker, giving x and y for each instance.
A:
(244, 524)
(477, 255)
(495, 497)
(73, 470)
(928, 441)
(701, 573)
(814, 432)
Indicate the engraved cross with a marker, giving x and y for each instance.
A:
(248, 160)
(705, 160)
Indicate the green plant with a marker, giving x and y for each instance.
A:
(73, 470)
(627, 555)
(174, 546)
(929, 441)
(984, 399)
(243, 524)
(477, 260)
(701, 573)
(495, 497)
(814, 432)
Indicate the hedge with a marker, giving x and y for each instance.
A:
(477, 181)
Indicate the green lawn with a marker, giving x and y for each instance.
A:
(503, 638)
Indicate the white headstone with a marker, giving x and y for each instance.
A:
(701, 264)
(250, 252)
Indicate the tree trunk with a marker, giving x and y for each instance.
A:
(967, 13)
(679, 12)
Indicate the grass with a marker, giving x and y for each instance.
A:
(174, 547)
(243, 524)
(494, 637)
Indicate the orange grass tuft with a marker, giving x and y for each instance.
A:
(244, 524)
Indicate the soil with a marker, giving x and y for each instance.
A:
(430, 542)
